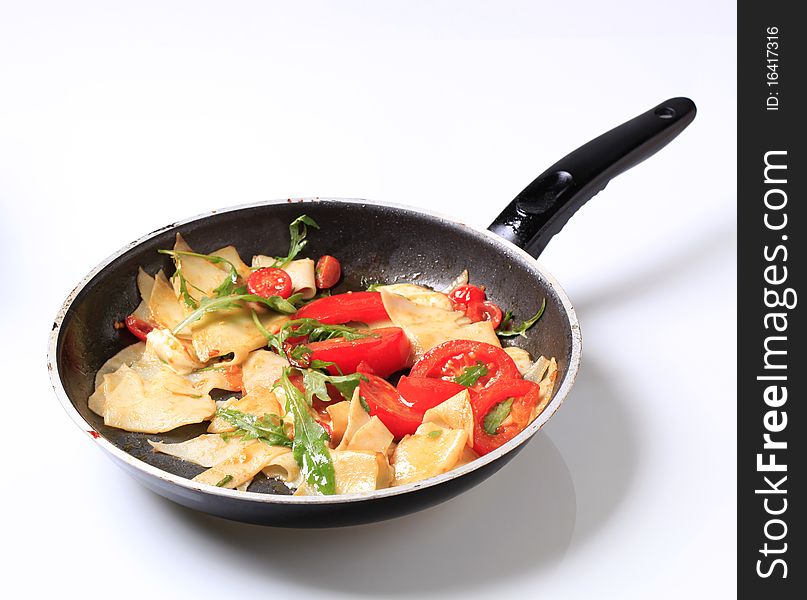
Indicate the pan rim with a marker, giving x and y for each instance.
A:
(559, 396)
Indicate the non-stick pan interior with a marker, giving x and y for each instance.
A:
(375, 244)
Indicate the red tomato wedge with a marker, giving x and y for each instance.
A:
(424, 393)
(386, 403)
(327, 272)
(463, 295)
(383, 354)
(365, 307)
(450, 359)
(525, 396)
(138, 327)
(484, 311)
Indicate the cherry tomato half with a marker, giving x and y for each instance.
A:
(525, 396)
(365, 307)
(386, 352)
(269, 281)
(424, 393)
(462, 295)
(327, 272)
(138, 327)
(484, 311)
(387, 404)
(450, 359)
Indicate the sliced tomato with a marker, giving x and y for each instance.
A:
(269, 281)
(424, 393)
(365, 307)
(462, 295)
(387, 404)
(327, 272)
(450, 360)
(525, 395)
(138, 327)
(383, 354)
(484, 311)
(363, 367)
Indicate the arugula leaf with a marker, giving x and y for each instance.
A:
(273, 340)
(183, 290)
(472, 374)
(208, 305)
(213, 367)
(315, 384)
(323, 364)
(224, 481)
(298, 355)
(318, 332)
(298, 229)
(496, 416)
(268, 428)
(346, 384)
(508, 316)
(364, 405)
(226, 287)
(520, 329)
(308, 446)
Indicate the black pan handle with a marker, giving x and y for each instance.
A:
(544, 207)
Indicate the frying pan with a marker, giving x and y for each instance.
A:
(404, 244)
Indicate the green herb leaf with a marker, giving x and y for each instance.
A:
(346, 384)
(298, 229)
(315, 383)
(299, 355)
(472, 374)
(208, 305)
(226, 287)
(323, 364)
(315, 331)
(318, 332)
(273, 340)
(224, 481)
(508, 316)
(183, 290)
(213, 367)
(268, 428)
(364, 405)
(373, 287)
(520, 329)
(435, 433)
(308, 446)
(496, 416)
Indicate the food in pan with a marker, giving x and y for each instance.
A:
(329, 393)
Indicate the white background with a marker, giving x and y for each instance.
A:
(117, 119)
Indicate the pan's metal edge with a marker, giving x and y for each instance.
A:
(558, 398)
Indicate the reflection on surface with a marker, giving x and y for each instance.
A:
(522, 518)
(597, 437)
